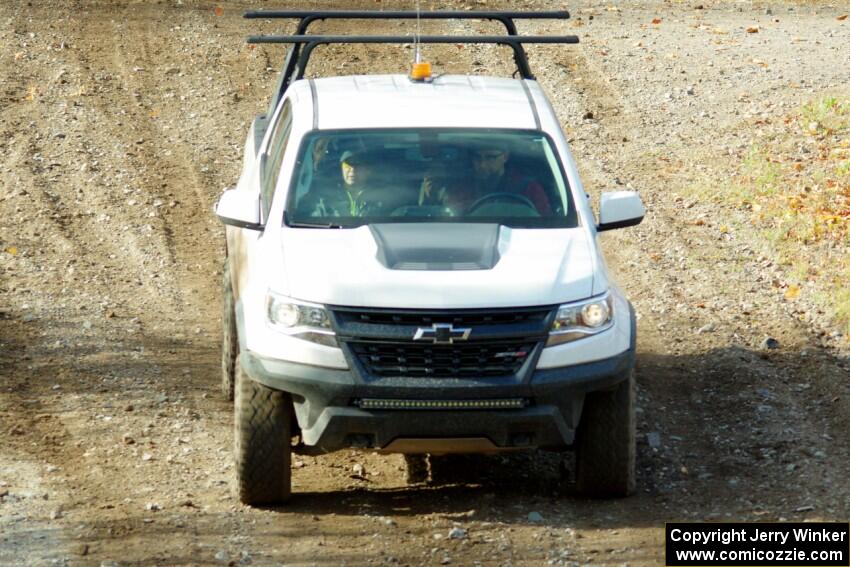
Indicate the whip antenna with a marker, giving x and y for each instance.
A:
(417, 53)
(421, 70)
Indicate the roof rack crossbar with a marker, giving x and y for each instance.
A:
(307, 17)
(500, 39)
(310, 42)
(302, 44)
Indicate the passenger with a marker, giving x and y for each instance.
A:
(358, 191)
(491, 174)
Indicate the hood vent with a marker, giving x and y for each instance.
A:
(437, 246)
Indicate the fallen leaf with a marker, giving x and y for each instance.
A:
(218, 10)
(795, 204)
(841, 18)
(793, 292)
(18, 55)
(753, 29)
(656, 21)
(13, 250)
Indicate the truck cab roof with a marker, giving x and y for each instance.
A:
(395, 101)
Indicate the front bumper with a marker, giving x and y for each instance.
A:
(325, 404)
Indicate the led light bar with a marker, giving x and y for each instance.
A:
(378, 404)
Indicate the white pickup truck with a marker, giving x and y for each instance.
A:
(413, 266)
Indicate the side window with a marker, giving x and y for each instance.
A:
(275, 153)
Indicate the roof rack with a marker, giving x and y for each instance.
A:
(307, 17)
(310, 42)
(303, 44)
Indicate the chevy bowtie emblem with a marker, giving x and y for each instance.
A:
(441, 334)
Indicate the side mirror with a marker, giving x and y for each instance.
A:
(619, 209)
(240, 209)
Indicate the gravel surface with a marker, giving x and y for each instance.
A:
(122, 121)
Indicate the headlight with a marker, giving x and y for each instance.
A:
(578, 320)
(306, 321)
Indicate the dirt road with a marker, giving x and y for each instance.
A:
(122, 121)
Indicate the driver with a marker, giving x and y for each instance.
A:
(490, 174)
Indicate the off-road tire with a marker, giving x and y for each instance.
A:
(230, 340)
(605, 443)
(262, 438)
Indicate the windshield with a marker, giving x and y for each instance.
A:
(351, 178)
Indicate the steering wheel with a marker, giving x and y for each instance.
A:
(501, 196)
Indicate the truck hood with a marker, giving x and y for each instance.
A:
(438, 266)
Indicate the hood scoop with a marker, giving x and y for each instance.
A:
(437, 246)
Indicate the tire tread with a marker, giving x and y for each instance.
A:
(262, 442)
(605, 452)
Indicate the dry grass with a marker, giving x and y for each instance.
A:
(794, 188)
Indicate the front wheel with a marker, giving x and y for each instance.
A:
(262, 434)
(605, 442)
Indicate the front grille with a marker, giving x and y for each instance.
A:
(426, 318)
(468, 343)
(460, 360)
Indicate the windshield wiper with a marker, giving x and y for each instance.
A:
(294, 224)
